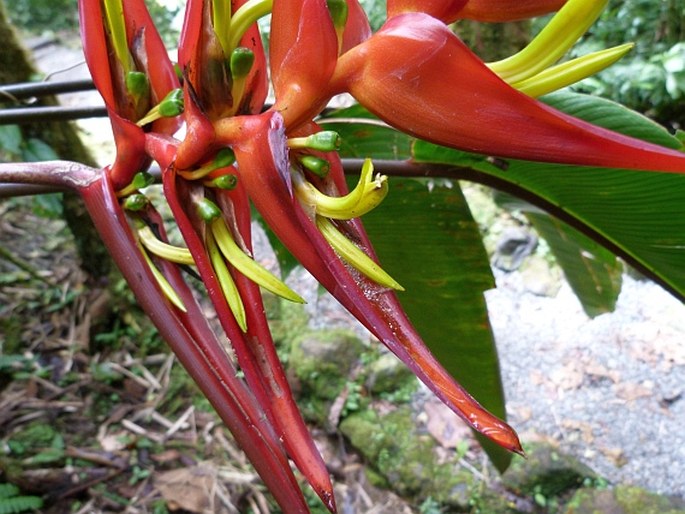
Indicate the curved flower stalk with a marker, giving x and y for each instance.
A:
(414, 73)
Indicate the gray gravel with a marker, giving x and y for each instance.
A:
(610, 390)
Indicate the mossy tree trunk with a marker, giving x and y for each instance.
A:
(16, 66)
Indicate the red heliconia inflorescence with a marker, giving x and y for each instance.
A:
(414, 73)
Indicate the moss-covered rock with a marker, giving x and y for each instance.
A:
(405, 458)
(490, 501)
(622, 500)
(288, 321)
(545, 471)
(321, 362)
(387, 375)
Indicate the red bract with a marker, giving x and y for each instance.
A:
(189, 336)
(303, 51)
(254, 349)
(264, 172)
(437, 89)
(357, 28)
(445, 10)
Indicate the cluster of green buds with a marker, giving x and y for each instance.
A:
(132, 84)
(228, 64)
(222, 248)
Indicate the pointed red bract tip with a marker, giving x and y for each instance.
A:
(357, 28)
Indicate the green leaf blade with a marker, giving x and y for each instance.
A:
(593, 272)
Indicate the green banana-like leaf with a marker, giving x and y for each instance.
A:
(427, 240)
(639, 215)
(593, 272)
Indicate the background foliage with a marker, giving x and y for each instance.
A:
(651, 79)
(40, 16)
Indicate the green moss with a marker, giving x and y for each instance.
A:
(621, 500)
(35, 435)
(11, 328)
(404, 458)
(321, 362)
(635, 500)
(288, 321)
(545, 472)
(391, 379)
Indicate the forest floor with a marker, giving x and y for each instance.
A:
(96, 413)
(97, 416)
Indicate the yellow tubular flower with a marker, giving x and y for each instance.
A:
(114, 14)
(248, 266)
(558, 36)
(572, 71)
(221, 21)
(161, 249)
(354, 256)
(369, 192)
(246, 15)
(228, 287)
(164, 284)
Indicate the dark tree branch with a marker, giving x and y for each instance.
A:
(25, 115)
(35, 89)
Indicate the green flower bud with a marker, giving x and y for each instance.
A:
(137, 84)
(172, 105)
(208, 210)
(224, 157)
(241, 62)
(319, 167)
(142, 179)
(324, 141)
(226, 182)
(136, 202)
